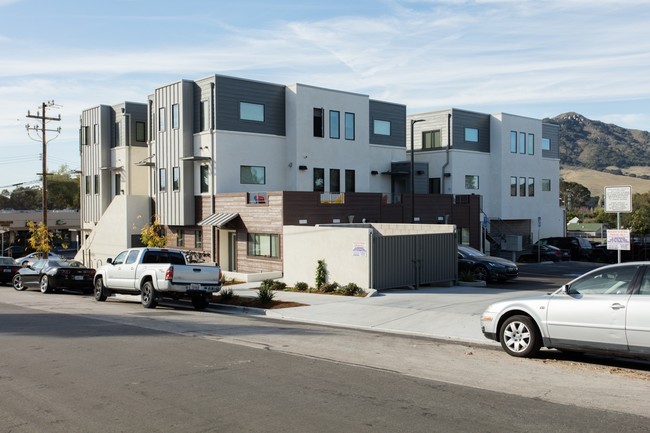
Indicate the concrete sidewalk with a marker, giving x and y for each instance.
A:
(441, 312)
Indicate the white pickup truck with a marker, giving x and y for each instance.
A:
(156, 273)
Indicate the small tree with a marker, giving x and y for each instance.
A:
(153, 235)
(321, 274)
(40, 238)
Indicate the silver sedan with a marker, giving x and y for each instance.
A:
(606, 310)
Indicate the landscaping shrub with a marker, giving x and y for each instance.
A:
(267, 284)
(301, 286)
(265, 295)
(328, 287)
(278, 285)
(321, 274)
(226, 294)
(350, 289)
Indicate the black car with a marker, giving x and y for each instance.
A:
(543, 253)
(54, 275)
(578, 248)
(8, 269)
(485, 268)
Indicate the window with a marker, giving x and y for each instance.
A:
(87, 184)
(117, 183)
(161, 119)
(350, 181)
(252, 175)
(205, 179)
(318, 123)
(96, 184)
(522, 142)
(471, 135)
(116, 135)
(335, 124)
(431, 140)
(198, 239)
(175, 116)
(176, 178)
(513, 186)
(471, 181)
(531, 187)
(381, 127)
(83, 135)
(434, 185)
(349, 126)
(140, 132)
(250, 111)
(162, 179)
(131, 257)
(522, 187)
(95, 133)
(531, 144)
(265, 245)
(513, 141)
(180, 238)
(319, 179)
(546, 144)
(335, 180)
(204, 116)
(606, 282)
(546, 184)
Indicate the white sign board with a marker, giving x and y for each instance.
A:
(618, 199)
(618, 240)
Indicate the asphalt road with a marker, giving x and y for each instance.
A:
(69, 364)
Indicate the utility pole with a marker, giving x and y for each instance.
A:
(42, 130)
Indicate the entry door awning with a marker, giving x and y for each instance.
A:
(218, 219)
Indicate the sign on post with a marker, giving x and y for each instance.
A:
(618, 240)
(618, 199)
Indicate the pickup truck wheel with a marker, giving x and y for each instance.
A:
(200, 302)
(45, 285)
(100, 290)
(148, 294)
(17, 282)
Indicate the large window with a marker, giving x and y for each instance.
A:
(180, 238)
(335, 180)
(250, 111)
(546, 184)
(205, 178)
(335, 124)
(252, 175)
(522, 142)
(83, 133)
(381, 127)
(176, 178)
(161, 119)
(349, 126)
(319, 179)
(531, 187)
(522, 187)
(95, 133)
(471, 181)
(96, 184)
(513, 186)
(513, 141)
(471, 135)
(116, 135)
(140, 131)
(175, 116)
(87, 184)
(265, 245)
(162, 180)
(431, 140)
(531, 144)
(350, 181)
(434, 185)
(319, 122)
(198, 239)
(546, 144)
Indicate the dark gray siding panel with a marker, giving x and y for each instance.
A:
(466, 119)
(393, 113)
(552, 132)
(202, 92)
(231, 91)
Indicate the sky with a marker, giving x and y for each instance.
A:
(537, 58)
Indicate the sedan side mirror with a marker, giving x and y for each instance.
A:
(109, 261)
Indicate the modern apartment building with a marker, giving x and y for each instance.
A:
(512, 162)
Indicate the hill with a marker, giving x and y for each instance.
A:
(596, 154)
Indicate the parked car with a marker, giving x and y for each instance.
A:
(32, 258)
(544, 253)
(578, 248)
(604, 310)
(8, 269)
(52, 275)
(484, 267)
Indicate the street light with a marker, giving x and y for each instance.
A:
(413, 122)
(416, 262)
